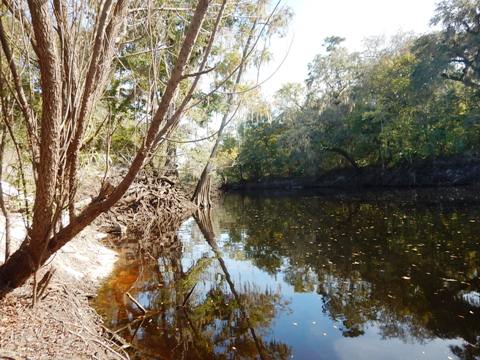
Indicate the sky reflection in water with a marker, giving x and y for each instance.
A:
(305, 277)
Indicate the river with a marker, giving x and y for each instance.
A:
(304, 277)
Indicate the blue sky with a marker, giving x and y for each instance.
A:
(354, 20)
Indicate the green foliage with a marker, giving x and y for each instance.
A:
(262, 151)
(385, 106)
(451, 53)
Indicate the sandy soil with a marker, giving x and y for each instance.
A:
(62, 325)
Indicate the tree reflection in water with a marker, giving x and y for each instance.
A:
(407, 267)
(193, 313)
(410, 270)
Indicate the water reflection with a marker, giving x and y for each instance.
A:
(194, 308)
(305, 277)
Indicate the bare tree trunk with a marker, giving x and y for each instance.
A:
(204, 221)
(4, 113)
(201, 196)
(170, 166)
(46, 182)
(41, 240)
(102, 54)
(346, 155)
(5, 212)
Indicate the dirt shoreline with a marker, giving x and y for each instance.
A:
(453, 171)
(62, 325)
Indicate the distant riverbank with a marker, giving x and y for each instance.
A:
(452, 171)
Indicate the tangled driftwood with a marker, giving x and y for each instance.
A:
(146, 205)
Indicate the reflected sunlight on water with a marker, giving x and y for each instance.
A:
(304, 277)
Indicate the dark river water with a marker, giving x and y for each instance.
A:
(304, 277)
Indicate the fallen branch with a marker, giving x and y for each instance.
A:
(136, 303)
(108, 347)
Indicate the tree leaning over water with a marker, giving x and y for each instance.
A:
(259, 26)
(201, 196)
(60, 58)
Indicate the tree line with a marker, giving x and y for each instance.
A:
(394, 102)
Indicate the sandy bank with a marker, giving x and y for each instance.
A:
(62, 325)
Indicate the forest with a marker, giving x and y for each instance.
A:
(83, 87)
(133, 117)
(397, 101)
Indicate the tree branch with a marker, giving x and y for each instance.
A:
(97, 207)
(22, 99)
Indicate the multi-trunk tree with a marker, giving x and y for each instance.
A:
(61, 57)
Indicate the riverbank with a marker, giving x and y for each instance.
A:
(61, 325)
(446, 172)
